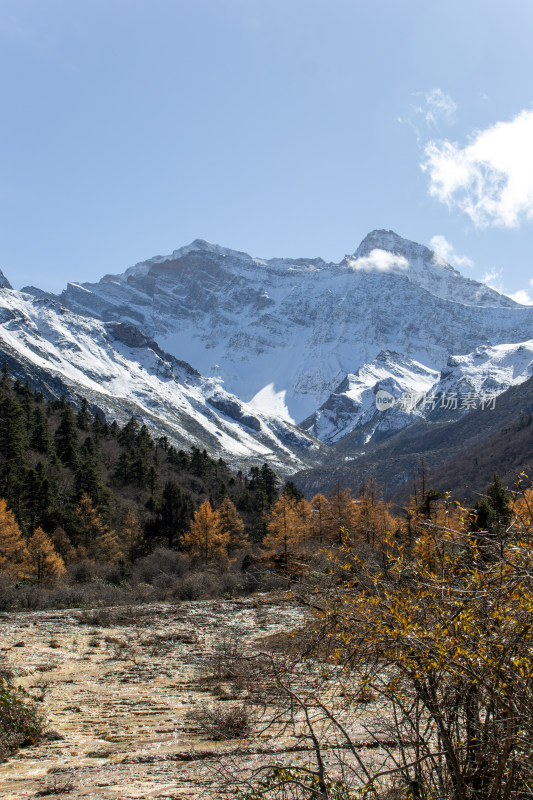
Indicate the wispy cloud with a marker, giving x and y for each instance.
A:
(446, 250)
(494, 279)
(379, 261)
(440, 108)
(430, 110)
(491, 178)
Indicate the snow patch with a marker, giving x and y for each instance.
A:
(271, 403)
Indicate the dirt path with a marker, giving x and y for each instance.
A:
(117, 685)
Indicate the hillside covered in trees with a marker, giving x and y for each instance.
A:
(83, 501)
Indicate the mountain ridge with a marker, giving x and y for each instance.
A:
(300, 324)
(268, 342)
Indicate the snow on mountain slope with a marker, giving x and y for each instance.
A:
(414, 392)
(284, 333)
(486, 372)
(423, 267)
(120, 370)
(353, 404)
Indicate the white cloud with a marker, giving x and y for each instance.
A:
(490, 179)
(379, 261)
(522, 297)
(494, 279)
(445, 250)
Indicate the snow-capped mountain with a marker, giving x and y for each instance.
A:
(122, 372)
(275, 341)
(409, 391)
(354, 403)
(476, 378)
(283, 334)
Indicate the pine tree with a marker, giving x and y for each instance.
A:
(270, 483)
(232, 525)
(83, 417)
(66, 437)
(204, 539)
(175, 513)
(40, 437)
(13, 430)
(291, 490)
(36, 497)
(44, 565)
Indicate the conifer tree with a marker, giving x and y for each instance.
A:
(83, 417)
(343, 514)
(321, 519)
(175, 513)
(13, 552)
(131, 535)
(284, 526)
(13, 430)
(66, 437)
(204, 539)
(89, 524)
(63, 545)
(37, 498)
(44, 565)
(291, 490)
(106, 547)
(232, 525)
(373, 520)
(40, 437)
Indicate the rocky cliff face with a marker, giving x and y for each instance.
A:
(284, 333)
(274, 342)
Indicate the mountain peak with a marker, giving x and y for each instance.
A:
(4, 283)
(392, 242)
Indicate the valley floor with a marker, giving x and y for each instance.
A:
(116, 686)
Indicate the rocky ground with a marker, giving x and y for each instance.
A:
(118, 686)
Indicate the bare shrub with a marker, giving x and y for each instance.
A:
(21, 722)
(195, 586)
(57, 784)
(220, 722)
(160, 568)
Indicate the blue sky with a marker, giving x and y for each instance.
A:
(280, 127)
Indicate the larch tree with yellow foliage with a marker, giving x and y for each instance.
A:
(343, 515)
(13, 551)
(94, 537)
(90, 525)
(44, 564)
(288, 523)
(205, 539)
(372, 519)
(106, 547)
(232, 526)
(440, 639)
(131, 535)
(321, 518)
